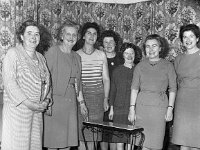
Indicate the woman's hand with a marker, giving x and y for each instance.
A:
(46, 102)
(169, 114)
(132, 115)
(36, 107)
(106, 105)
(111, 113)
(84, 111)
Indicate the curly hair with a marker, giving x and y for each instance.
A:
(162, 43)
(190, 27)
(109, 33)
(45, 36)
(137, 50)
(67, 23)
(88, 25)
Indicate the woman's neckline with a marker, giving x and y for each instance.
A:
(90, 53)
(154, 63)
(63, 51)
(193, 52)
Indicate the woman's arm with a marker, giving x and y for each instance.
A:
(172, 91)
(169, 114)
(131, 116)
(112, 94)
(9, 73)
(106, 82)
(82, 105)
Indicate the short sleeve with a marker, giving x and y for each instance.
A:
(136, 78)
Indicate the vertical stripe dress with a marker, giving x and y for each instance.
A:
(22, 79)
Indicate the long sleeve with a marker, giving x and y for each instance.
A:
(9, 74)
(113, 90)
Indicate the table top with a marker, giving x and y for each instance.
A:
(114, 126)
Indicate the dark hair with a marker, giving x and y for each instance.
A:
(162, 43)
(22, 28)
(109, 33)
(88, 25)
(137, 50)
(190, 27)
(80, 43)
(67, 23)
(45, 36)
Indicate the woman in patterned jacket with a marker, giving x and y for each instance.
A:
(26, 85)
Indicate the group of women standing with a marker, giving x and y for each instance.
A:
(69, 87)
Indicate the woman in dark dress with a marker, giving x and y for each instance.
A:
(109, 40)
(186, 129)
(121, 89)
(149, 104)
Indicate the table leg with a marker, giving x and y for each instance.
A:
(140, 146)
(83, 128)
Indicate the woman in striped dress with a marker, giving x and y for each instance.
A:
(95, 80)
(26, 84)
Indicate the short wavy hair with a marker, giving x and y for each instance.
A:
(109, 33)
(67, 23)
(137, 50)
(45, 36)
(162, 43)
(88, 25)
(190, 27)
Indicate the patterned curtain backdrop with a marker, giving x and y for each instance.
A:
(132, 21)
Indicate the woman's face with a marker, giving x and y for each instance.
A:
(109, 44)
(70, 36)
(189, 40)
(31, 37)
(90, 36)
(152, 48)
(129, 55)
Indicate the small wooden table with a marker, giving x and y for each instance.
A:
(129, 130)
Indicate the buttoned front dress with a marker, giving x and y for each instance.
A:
(22, 127)
(186, 128)
(152, 102)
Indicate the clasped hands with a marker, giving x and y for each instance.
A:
(37, 107)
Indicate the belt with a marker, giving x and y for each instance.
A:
(161, 93)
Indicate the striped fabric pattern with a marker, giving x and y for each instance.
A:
(92, 68)
(22, 128)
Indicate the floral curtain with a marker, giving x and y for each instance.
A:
(132, 21)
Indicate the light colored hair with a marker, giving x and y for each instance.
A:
(67, 23)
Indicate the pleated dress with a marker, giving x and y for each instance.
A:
(186, 128)
(22, 127)
(151, 105)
